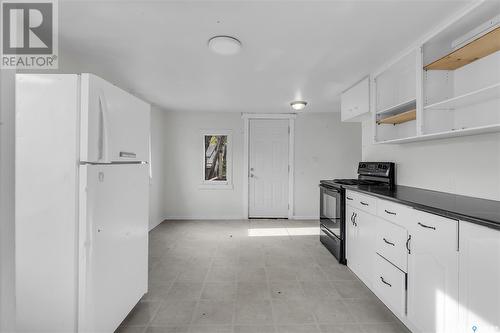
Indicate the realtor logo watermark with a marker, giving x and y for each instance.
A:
(29, 34)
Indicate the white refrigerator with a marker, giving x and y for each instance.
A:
(82, 201)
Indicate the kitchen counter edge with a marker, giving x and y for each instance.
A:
(429, 209)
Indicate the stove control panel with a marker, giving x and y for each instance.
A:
(380, 169)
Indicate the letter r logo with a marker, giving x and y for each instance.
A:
(27, 28)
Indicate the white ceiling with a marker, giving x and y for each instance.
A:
(291, 49)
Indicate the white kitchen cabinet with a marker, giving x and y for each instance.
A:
(453, 87)
(389, 284)
(395, 99)
(396, 85)
(355, 101)
(366, 225)
(363, 202)
(351, 249)
(479, 278)
(360, 229)
(433, 273)
(390, 243)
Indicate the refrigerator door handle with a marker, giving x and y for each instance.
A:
(127, 154)
(103, 139)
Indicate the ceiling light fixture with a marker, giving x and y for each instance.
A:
(298, 105)
(224, 45)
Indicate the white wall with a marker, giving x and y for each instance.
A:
(467, 165)
(157, 189)
(7, 268)
(183, 147)
(325, 149)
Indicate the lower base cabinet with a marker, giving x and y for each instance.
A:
(437, 275)
(433, 274)
(360, 231)
(389, 284)
(479, 279)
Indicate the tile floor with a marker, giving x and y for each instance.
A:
(251, 276)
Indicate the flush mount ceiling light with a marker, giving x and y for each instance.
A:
(298, 105)
(224, 45)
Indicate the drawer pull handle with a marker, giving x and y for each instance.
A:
(349, 198)
(408, 244)
(388, 212)
(426, 226)
(385, 240)
(364, 203)
(384, 281)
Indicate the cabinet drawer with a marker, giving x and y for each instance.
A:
(361, 201)
(394, 212)
(433, 231)
(391, 243)
(389, 283)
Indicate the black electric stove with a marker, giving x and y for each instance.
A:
(332, 202)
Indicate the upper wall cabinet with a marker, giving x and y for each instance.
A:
(396, 99)
(461, 77)
(448, 86)
(355, 101)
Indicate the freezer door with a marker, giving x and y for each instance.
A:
(114, 124)
(113, 232)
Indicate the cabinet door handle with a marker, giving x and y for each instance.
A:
(352, 217)
(408, 244)
(354, 221)
(426, 226)
(364, 203)
(385, 240)
(384, 281)
(349, 198)
(388, 212)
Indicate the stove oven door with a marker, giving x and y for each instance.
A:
(331, 208)
(332, 228)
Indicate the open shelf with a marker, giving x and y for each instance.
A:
(447, 134)
(471, 98)
(403, 106)
(477, 49)
(399, 118)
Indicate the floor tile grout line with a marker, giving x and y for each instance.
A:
(162, 301)
(201, 293)
(273, 317)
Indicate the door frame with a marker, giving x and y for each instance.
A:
(246, 158)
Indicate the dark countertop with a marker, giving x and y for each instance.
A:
(475, 210)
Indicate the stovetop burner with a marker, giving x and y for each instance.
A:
(356, 182)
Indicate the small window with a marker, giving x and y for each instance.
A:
(216, 159)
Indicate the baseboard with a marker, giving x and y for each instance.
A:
(305, 217)
(157, 223)
(226, 218)
(211, 218)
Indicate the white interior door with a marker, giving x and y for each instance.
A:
(268, 168)
(114, 257)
